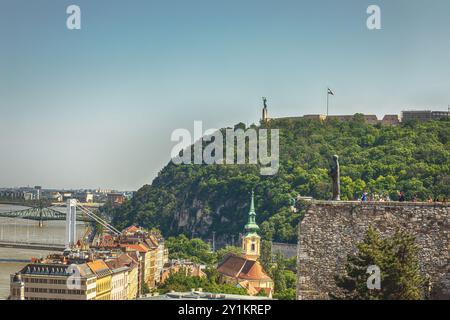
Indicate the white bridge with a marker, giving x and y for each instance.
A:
(74, 212)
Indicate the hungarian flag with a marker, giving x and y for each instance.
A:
(330, 92)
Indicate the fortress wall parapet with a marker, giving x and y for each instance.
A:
(329, 231)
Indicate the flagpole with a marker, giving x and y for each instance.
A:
(328, 95)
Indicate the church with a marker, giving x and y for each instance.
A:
(245, 271)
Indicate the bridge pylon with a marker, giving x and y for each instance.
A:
(71, 223)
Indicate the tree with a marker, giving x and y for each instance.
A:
(181, 282)
(403, 281)
(285, 280)
(288, 294)
(261, 293)
(266, 255)
(195, 250)
(399, 269)
(278, 275)
(145, 289)
(290, 279)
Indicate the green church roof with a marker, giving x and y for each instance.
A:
(251, 226)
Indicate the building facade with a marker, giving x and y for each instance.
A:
(424, 115)
(133, 282)
(103, 279)
(39, 281)
(119, 280)
(146, 265)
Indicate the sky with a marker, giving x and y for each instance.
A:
(96, 107)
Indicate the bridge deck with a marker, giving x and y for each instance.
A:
(36, 246)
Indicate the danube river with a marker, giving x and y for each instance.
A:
(21, 230)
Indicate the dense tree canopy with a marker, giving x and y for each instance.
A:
(413, 157)
(195, 250)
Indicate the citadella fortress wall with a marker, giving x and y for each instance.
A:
(329, 231)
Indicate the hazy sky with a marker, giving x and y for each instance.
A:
(95, 107)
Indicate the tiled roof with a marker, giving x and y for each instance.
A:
(133, 255)
(154, 241)
(253, 271)
(85, 270)
(241, 268)
(132, 229)
(126, 260)
(99, 267)
(136, 247)
(231, 266)
(149, 243)
(116, 265)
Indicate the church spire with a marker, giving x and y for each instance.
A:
(251, 241)
(251, 226)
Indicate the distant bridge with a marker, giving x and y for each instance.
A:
(43, 214)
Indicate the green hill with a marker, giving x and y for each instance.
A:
(199, 199)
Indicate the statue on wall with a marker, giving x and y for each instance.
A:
(335, 176)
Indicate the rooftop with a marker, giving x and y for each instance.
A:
(99, 267)
(241, 268)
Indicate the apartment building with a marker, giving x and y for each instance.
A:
(154, 244)
(133, 274)
(143, 251)
(162, 255)
(37, 281)
(119, 279)
(103, 279)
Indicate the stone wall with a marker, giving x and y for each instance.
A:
(329, 231)
(287, 250)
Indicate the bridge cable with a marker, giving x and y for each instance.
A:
(98, 219)
(87, 211)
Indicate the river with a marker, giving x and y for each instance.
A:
(23, 230)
